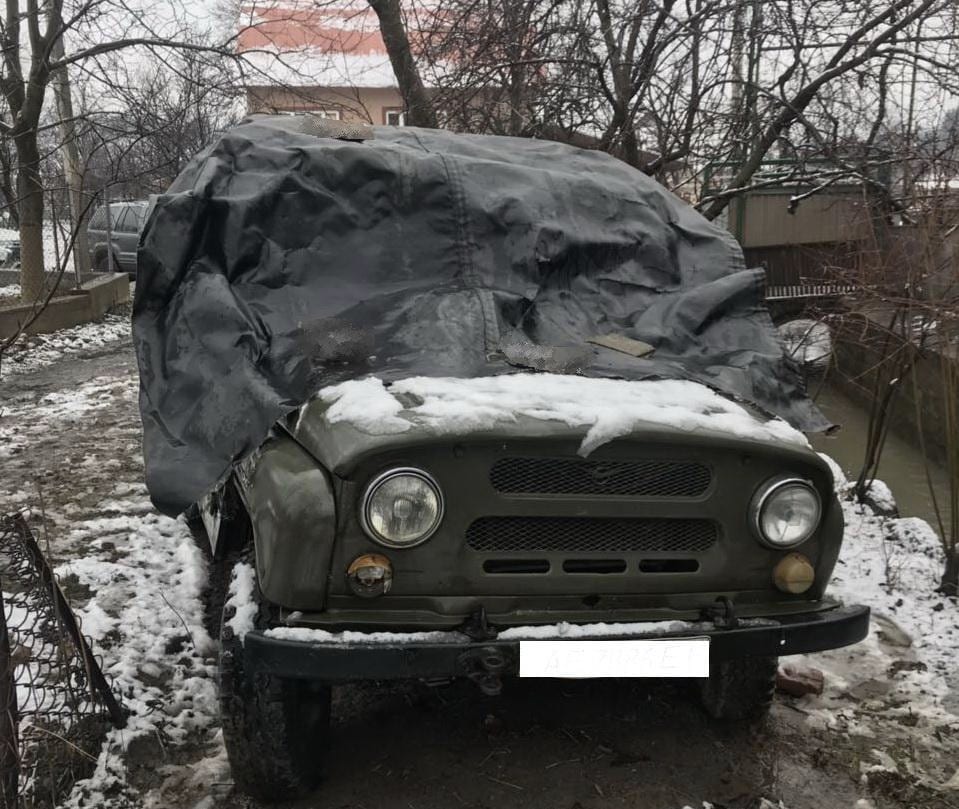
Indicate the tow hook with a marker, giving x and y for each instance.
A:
(476, 627)
(722, 614)
(484, 666)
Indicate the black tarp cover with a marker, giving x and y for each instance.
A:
(279, 262)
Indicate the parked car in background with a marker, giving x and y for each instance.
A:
(118, 238)
(9, 249)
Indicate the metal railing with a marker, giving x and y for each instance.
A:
(56, 704)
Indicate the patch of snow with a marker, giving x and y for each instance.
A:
(567, 630)
(560, 630)
(809, 342)
(892, 565)
(366, 404)
(55, 239)
(10, 291)
(353, 637)
(160, 656)
(608, 408)
(881, 497)
(240, 596)
(839, 479)
(884, 763)
(18, 434)
(31, 352)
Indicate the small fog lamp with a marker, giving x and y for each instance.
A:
(370, 575)
(794, 574)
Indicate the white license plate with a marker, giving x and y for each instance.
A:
(686, 657)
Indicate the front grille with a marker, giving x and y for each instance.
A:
(590, 534)
(580, 476)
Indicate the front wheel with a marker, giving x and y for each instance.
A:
(275, 729)
(101, 262)
(740, 689)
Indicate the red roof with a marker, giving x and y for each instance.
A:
(349, 27)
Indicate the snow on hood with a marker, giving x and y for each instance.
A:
(608, 408)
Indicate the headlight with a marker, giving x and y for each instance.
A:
(786, 512)
(402, 508)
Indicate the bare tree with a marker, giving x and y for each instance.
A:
(679, 87)
(29, 65)
(419, 108)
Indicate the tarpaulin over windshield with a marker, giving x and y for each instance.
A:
(280, 262)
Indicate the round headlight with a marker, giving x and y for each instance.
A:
(786, 512)
(402, 508)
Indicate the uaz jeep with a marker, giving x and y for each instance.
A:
(472, 407)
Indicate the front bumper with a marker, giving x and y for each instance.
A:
(459, 656)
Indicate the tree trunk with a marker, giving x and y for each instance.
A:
(629, 146)
(6, 186)
(30, 191)
(419, 107)
(72, 165)
(950, 576)
(737, 89)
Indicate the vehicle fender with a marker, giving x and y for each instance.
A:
(292, 509)
(831, 538)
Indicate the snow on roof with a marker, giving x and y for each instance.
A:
(297, 43)
(315, 68)
(609, 408)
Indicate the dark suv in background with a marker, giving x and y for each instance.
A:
(119, 239)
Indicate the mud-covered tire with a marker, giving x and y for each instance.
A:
(101, 262)
(740, 689)
(275, 730)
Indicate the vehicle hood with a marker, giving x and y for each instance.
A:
(352, 420)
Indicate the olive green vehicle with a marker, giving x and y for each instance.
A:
(457, 538)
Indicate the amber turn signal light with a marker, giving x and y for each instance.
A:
(794, 574)
(370, 575)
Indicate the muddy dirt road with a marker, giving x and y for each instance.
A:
(69, 440)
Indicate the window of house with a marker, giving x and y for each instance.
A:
(394, 117)
(333, 115)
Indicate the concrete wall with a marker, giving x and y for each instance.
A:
(90, 302)
(921, 399)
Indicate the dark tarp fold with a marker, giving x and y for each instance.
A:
(279, 262)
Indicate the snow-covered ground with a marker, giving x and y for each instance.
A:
(146, 614)
(69, 439)
(35, 351)
(899, 688)
(69, 444)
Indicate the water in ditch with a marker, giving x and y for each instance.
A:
(902, 467)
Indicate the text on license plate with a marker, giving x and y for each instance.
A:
(686, 657)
